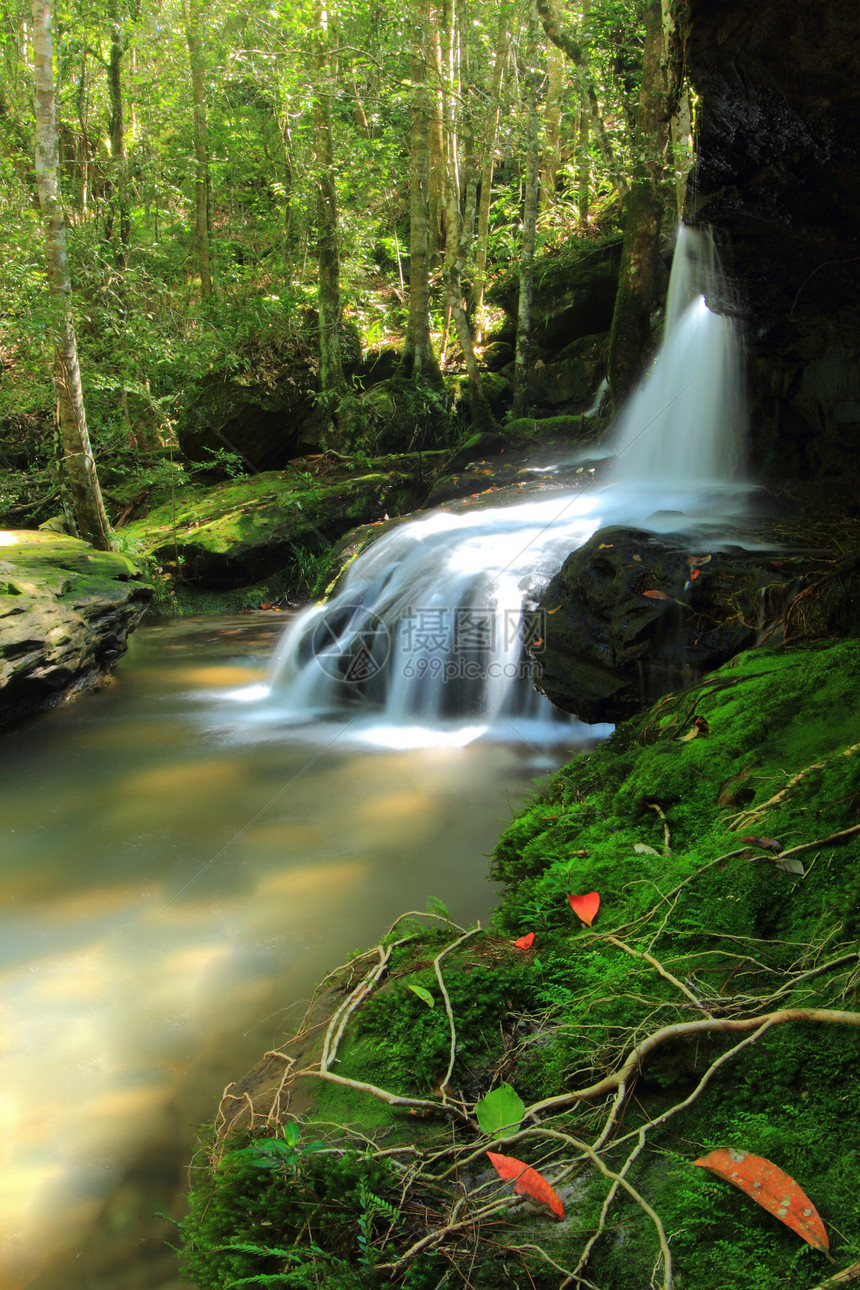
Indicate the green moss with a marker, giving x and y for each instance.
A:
(693, 921)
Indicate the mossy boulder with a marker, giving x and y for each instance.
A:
(712, 1003)
(574, 292)
(404, 415)
(66, 611)
(243, 530)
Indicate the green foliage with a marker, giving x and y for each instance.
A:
(400, 1043)
(501, 1110)
(251, 1213)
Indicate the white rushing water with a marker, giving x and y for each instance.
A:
(424, 640)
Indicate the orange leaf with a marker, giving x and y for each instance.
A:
(696, 573)
(656, 595)
(585, 907)
(525, 942)
(771, 1188)
(527, 1181)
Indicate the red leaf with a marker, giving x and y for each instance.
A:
(696, 573)
(585, 907)
(525, 942)
(656, 595)
(527, 1181)
(771, 1188)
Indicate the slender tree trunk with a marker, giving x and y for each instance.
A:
(116, 127)
(583, 168)
(203, 205)
(437, 161)
(79, 468)
(333, 385)
(456, 254)
(530, 209)
(570, 47)
(640, 278)
(418, 357)
(476, 304)
(551, 162)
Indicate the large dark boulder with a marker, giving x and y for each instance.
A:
(633, 615)
(778, 177)
(66, 611)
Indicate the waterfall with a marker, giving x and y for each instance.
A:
(425, 638)
(684, 427)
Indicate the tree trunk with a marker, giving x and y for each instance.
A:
(418, 357)
(583, 168)
(437, 167)
(333, 385)
(203, 183)
(116, 128)
(79, 468)
(640, 278)
(551, 162)
(476, 304)
(569, 46)
(530, 208)
(456, 254)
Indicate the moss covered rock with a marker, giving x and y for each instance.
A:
(66, 611)
(243, 530)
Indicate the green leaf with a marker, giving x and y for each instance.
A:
(500, 1110)
(424, 995)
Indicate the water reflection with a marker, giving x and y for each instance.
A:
(171, 884)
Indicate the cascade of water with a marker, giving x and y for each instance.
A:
(428, 628)
(684, 426)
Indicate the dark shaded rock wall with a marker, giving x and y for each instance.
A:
(778, 177)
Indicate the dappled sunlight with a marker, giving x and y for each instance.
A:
(397, 807)
(315, 880)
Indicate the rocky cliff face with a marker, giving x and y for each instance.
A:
(778, 177)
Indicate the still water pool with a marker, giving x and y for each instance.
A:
(174, 881)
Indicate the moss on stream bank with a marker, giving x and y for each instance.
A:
(713, 1003)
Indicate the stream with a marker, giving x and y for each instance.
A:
(189, 850)
(176, 879)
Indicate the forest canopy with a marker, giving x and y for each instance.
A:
(253, 190)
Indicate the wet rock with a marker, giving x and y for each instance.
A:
(778, 177)
(634, 615)
(66, 611)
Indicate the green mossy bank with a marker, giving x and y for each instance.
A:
(712, 1004)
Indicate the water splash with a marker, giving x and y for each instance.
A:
(426, 638)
